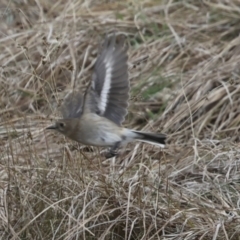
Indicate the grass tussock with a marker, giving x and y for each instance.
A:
(184, 72)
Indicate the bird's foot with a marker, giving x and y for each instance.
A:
(113, 151)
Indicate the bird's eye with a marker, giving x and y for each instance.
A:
(61, 125)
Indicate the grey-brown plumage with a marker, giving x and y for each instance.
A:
(72, 106)
(96, 117)
(108, 93)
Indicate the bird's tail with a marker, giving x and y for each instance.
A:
(152, 138)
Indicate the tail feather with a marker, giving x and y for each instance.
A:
(152, 138)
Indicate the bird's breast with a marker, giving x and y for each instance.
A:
(97, 131)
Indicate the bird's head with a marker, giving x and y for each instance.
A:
(64, 126)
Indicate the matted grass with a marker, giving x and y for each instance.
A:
(184, 72)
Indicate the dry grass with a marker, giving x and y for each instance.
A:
(184, 71)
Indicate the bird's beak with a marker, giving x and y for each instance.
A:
(51, 127)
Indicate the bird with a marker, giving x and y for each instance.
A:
(95, 117)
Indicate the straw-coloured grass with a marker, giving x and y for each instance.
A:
(184, 73)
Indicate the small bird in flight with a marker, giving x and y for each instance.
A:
(95, 118)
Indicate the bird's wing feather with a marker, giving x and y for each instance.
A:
(108, 93)
(72, 106)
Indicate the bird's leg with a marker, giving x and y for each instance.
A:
(113, 150)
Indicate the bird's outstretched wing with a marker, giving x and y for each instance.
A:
(108, 92)
(72, 106)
